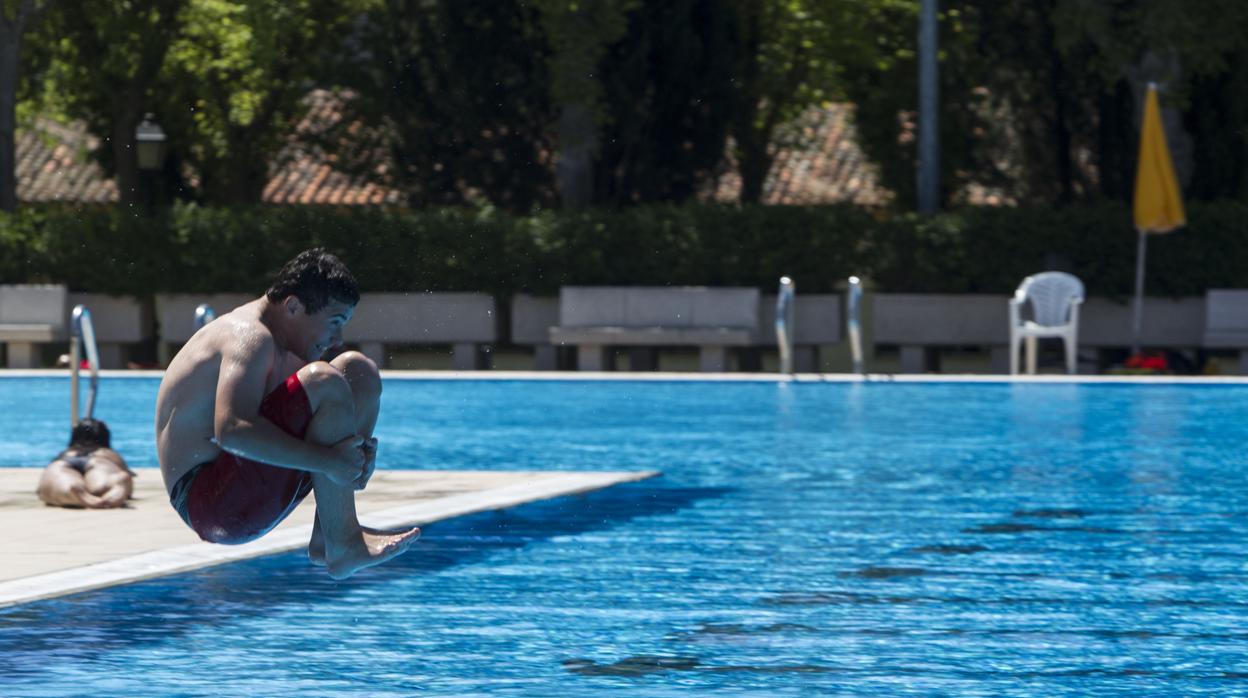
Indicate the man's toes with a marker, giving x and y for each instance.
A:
(406, 539)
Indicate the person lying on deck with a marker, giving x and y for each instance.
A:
(249, 420)
(88, 473)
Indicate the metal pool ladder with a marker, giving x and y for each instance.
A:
(82, 337)
(204, 314)
(854, 304)
(784, 323)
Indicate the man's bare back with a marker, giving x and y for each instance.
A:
(249, 420)
(186, 403)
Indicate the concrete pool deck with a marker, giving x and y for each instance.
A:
(50, 551)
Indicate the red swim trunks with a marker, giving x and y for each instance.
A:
(233, 500)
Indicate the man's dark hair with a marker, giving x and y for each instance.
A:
(90, 434)
(315, 277)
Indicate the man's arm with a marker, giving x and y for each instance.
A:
(240, 429)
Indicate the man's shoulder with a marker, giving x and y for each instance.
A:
(236, 336)
(243, 337)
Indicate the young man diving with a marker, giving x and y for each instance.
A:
(249, 420)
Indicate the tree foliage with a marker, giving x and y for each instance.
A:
(224, 79)
(669, 94)
(16, 18)
(787, 61)
(99, 63)
(458, 122)
(527, 104)
(234, 82)
(1039, 99)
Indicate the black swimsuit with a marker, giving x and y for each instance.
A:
(78, 462)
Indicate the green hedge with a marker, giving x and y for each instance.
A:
(978, 250)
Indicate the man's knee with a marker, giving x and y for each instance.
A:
(324, 383)
(360, 372)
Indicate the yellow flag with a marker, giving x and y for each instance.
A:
(1158, 202)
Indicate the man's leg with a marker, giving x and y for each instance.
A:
(62, 486)
(347, 547)
(364, 380)
(365, 383)
(108, 481)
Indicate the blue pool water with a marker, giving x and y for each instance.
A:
(905, 539)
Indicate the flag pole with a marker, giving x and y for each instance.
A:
(1138, 320)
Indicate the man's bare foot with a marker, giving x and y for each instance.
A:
(88, 500)
(372, 549)
(316, 545)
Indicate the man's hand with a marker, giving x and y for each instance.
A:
(350, 461)
(370, 463)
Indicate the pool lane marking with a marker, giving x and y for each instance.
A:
(185, 558)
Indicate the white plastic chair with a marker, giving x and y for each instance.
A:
(1055, 298)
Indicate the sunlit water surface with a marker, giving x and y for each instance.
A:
(933, 539)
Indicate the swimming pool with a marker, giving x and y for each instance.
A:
(915, 539)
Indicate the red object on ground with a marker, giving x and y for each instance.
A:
(1148, 361)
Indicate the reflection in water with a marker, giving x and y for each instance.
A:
(643, 665)
(1050, 514)
(630, 666)
(950, 549)
(737, 630)
(885, 572)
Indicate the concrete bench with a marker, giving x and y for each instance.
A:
(1226, 323)
(466, 321)
(920, 324)
(817, 322)
(119, 321)
(31, 315)
(1167, 323)
(596, 319)
(531, 320)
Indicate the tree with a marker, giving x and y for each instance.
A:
(225, 79)
(1040, 100)
(103, 59)
(457, 122)
(1196, 52)
(233, 84)
(16, 17)
(579, 34)
(879, 74)
(524, 126)
(667, 98)
(790, 52)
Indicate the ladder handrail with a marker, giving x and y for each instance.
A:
(853, 307)
(204, 314)
(785, 322)
(82, 335)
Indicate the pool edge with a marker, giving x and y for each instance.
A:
(187, 558)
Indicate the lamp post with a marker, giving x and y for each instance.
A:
(150, 147)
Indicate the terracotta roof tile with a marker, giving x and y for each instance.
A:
(824, 165)
(53, 164)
